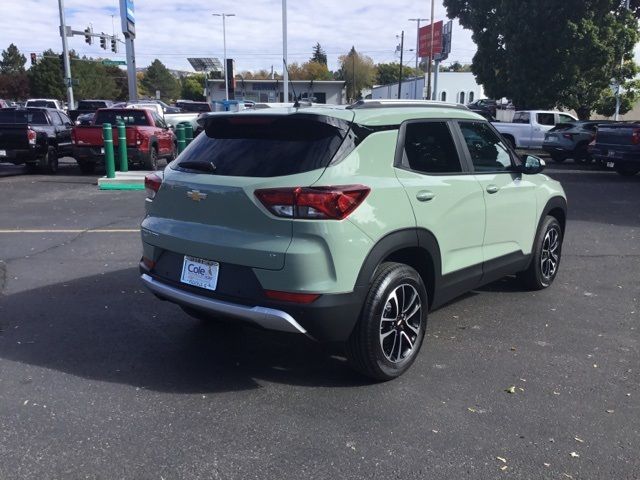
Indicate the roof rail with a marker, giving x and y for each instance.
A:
(363, 104)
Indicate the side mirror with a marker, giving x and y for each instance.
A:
(532, 165)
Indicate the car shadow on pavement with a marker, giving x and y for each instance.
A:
(109, 328)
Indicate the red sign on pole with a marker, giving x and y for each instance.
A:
(425, 40)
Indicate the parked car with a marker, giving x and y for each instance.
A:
(484, 105)
(36, 137)
(45, 103)
(148, 138)
(347, 225)
(191, 106)
(165, 108)
(528, 127)
(617, 146)
(571, 140)
(85, 119)
(89, 106)
(171, 119)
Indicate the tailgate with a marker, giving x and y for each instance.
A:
(88, 136)
(13, 137)
(615, 134)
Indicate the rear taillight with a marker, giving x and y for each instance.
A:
(152, 184)
(31, 135)
(139, 138)
(635, 136)
(313, 203)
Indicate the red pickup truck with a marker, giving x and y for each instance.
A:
(149, 138)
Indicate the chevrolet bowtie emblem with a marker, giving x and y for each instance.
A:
(196, 195)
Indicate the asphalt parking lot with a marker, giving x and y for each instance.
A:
(98, 379)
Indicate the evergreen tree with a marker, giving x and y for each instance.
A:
(13, 79)
(319, 55)
(45, 77)
(157, 77)
(12, 61)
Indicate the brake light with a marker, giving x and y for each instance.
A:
(635, 136)
(139, 138)
(313, 203)
(291, 297)
(152, 183)
(31, 135)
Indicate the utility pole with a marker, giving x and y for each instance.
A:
(430, 54)
(619, 80)
(65, 53)
(224, 45)
(401, 55)
(353, 74)
(415, 83)
(285, 73)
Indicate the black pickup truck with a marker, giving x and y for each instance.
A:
(617, 146)
(36, 137)
(86, 107)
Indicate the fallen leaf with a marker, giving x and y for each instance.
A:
(574, 455)
(503, 460)
(513, 349)
(511, 389)
(567, 475)
(556, 393)
(434, 431)
(610, 411)
(521, 389)
(503, 468)
(471, 409)
(578, 439)
(547, 464)
(25, 402)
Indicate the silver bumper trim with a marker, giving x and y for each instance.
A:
(268, 318)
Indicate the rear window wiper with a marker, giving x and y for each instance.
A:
(202, 166)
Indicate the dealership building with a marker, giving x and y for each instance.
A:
(320, 91)
(453, 87)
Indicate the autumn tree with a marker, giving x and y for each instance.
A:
(358, 71)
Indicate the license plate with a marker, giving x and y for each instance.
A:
(200, 273)
(611, 165)
(102, 151)
(612, 153)
(3, 153)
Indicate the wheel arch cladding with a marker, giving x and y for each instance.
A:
(557, 208)
(417, 248)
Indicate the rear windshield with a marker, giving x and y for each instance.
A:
(560, 127)
(194, 107)
(129, 117)
(88, 105)
(264, 146)
(23, 116)
(41, 103)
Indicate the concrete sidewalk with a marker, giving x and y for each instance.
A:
(124, 181)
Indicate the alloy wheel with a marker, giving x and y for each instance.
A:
(550, 253)
(401, 323)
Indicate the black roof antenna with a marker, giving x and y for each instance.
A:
(296, 103)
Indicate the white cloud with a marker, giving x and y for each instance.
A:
(172, 30)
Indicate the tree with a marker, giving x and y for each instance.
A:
(45, 77)
(93, 80)
(13, 79)
(157, 77)
(630, 95)
(319, 55)
(193, 87)
(358, 71)
(541, 60)
(387, 73)
(456, 67)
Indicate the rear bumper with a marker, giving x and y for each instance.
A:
(21, 156)
(617, 157)
(268, 318)
(95, 155)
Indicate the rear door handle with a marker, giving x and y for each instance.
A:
(425, 196)
(492, 189)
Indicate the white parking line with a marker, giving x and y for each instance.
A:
(67, 230)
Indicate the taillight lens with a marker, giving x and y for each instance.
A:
(139, 138)
(313, 203)
(152, 184)
(635, 136)
(31, 135)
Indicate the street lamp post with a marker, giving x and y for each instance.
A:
(285, 73)
(415, 83)
(224, 42)
(65, 53)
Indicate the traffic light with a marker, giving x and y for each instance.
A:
(34, 59)
(87, 35)
(114, 44)
(103, 41)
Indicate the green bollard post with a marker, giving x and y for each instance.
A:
(109, 161)
(122, 146)
(188, 133)
(180, 135)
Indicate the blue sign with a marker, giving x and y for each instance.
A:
(130, 11)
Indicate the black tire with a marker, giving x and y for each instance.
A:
(87, 167)
(50, 161)
(174, 153)
(151, 162)
(626, 170)
(581, 156)
(546, 257)
(31, 167)
(369, 348)
(558, 157)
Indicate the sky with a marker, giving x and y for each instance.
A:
(172, 30)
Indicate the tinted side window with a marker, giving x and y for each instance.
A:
(55, 118)
(565, 118)
(521, 117)
(488, 152)
(546, 119)
(429, 148)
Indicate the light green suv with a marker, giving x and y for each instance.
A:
(347, 225)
